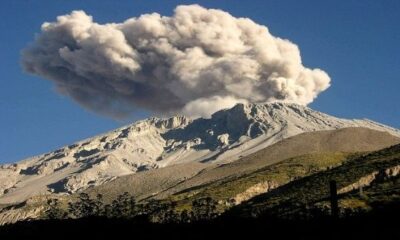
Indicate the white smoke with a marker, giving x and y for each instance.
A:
(196, 62)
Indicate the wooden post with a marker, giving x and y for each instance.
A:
(334, 199)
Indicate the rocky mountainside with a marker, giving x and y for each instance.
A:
(156, 143)
(232, 183)
(308, 152)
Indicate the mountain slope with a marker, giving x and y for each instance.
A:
(325, 144)
(378, 173)
(232, 182)
(156, 143)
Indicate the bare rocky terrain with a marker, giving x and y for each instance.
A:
(161, 183)
(156, 158)
(183, 179)
(156, 143)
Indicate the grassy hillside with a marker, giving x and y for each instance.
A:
(279, 173)
(309, 196)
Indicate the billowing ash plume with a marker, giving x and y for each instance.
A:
(195, 62)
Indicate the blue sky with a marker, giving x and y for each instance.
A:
(355, 42)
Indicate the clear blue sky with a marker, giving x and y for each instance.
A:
(356, 42)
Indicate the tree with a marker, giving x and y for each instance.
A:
(98, 206)
(83, 207)
(204, 208)
(158, 211)
(185, 217)
(54, 211)
(124, 206)
(166, 213)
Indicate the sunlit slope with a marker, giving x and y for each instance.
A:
(376, 174)
(319, 150)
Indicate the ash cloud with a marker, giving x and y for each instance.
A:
(195, 62)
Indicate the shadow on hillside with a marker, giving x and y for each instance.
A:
(380, 224)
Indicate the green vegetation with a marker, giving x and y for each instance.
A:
(380, 193)
(300, 191)
(309, 195)
(125, 207)
(280, 173)
(186, 203)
